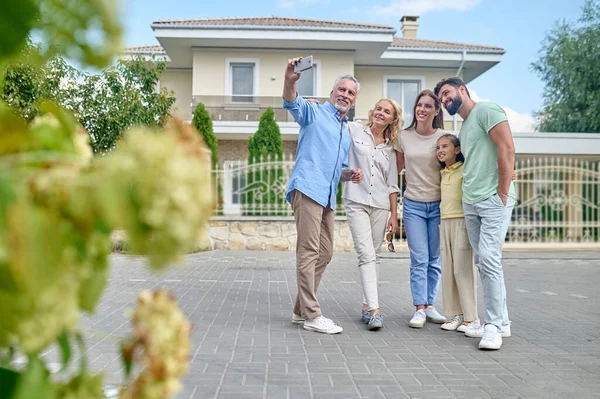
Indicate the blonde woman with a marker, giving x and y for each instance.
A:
(371, 205)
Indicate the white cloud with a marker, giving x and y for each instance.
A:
(421, 7)
(519, 122)
(297, 3)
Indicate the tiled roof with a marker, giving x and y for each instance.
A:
(272, 21)
(148, 49)
(399, 42)
(420, 44)
(287, 22)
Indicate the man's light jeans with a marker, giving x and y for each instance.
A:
(487, 224)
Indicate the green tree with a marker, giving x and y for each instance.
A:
(120, 97)
(203, 123)
(106, 104)
(569, 66)
(26, 84)
(266, 142)
(265, 181)
(22, 84)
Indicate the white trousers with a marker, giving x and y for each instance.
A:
(367, 225)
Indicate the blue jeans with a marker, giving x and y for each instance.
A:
(421, 222)
(487, 223)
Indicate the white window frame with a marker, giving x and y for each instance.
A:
(228, 76)
(387, 78)
(317, 79)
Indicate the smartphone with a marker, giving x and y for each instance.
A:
(304, 64)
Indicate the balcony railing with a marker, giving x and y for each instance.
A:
(247, 108)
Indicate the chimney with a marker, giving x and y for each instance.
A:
(410, 24)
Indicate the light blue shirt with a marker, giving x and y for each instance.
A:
(322, 152)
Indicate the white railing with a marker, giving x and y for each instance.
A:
(558, 198)
(558, 201)
(254, 189)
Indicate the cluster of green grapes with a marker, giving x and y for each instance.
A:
(163, 191)
(161, 335)
(82, 386)
(58, 208)
(43, 246)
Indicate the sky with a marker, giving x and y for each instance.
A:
(517, 26)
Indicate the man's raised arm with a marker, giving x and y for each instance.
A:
(291, 77)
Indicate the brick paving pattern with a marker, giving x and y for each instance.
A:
(245, 346)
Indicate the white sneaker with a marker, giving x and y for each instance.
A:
(453, 323)
(433, 316)
(418, 320)
(323, 325)
(491, 339)
(477, 331)
(297, 319)
(469, 324)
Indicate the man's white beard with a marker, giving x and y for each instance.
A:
(341, 108)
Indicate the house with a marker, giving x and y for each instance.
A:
(234, 66)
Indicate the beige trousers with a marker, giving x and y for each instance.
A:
(314, 250)
(458, 270)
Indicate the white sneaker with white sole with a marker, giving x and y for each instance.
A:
(468, 324)
(433, 315)
(477, 332)
(492, 338)
(297, 319)
(418, 319)
(453, 323)
(323, 325)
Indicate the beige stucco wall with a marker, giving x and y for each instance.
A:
(209, 70)
(371, 81)
(180, 81)
(208, 77)
(449, 123)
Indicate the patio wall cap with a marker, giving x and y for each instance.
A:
(239, 218)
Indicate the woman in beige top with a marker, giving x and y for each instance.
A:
(371, 205)
(416, 152)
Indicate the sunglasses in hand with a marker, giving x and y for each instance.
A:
(389, 236)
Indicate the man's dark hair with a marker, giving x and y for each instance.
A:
(454, 82)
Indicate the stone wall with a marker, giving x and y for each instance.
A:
(267, 234)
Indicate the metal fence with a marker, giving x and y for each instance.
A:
(254, 189)
(558, 201)
(557, 198)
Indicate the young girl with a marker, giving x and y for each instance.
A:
(458, 271)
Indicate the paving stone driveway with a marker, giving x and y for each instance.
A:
(246, 347)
